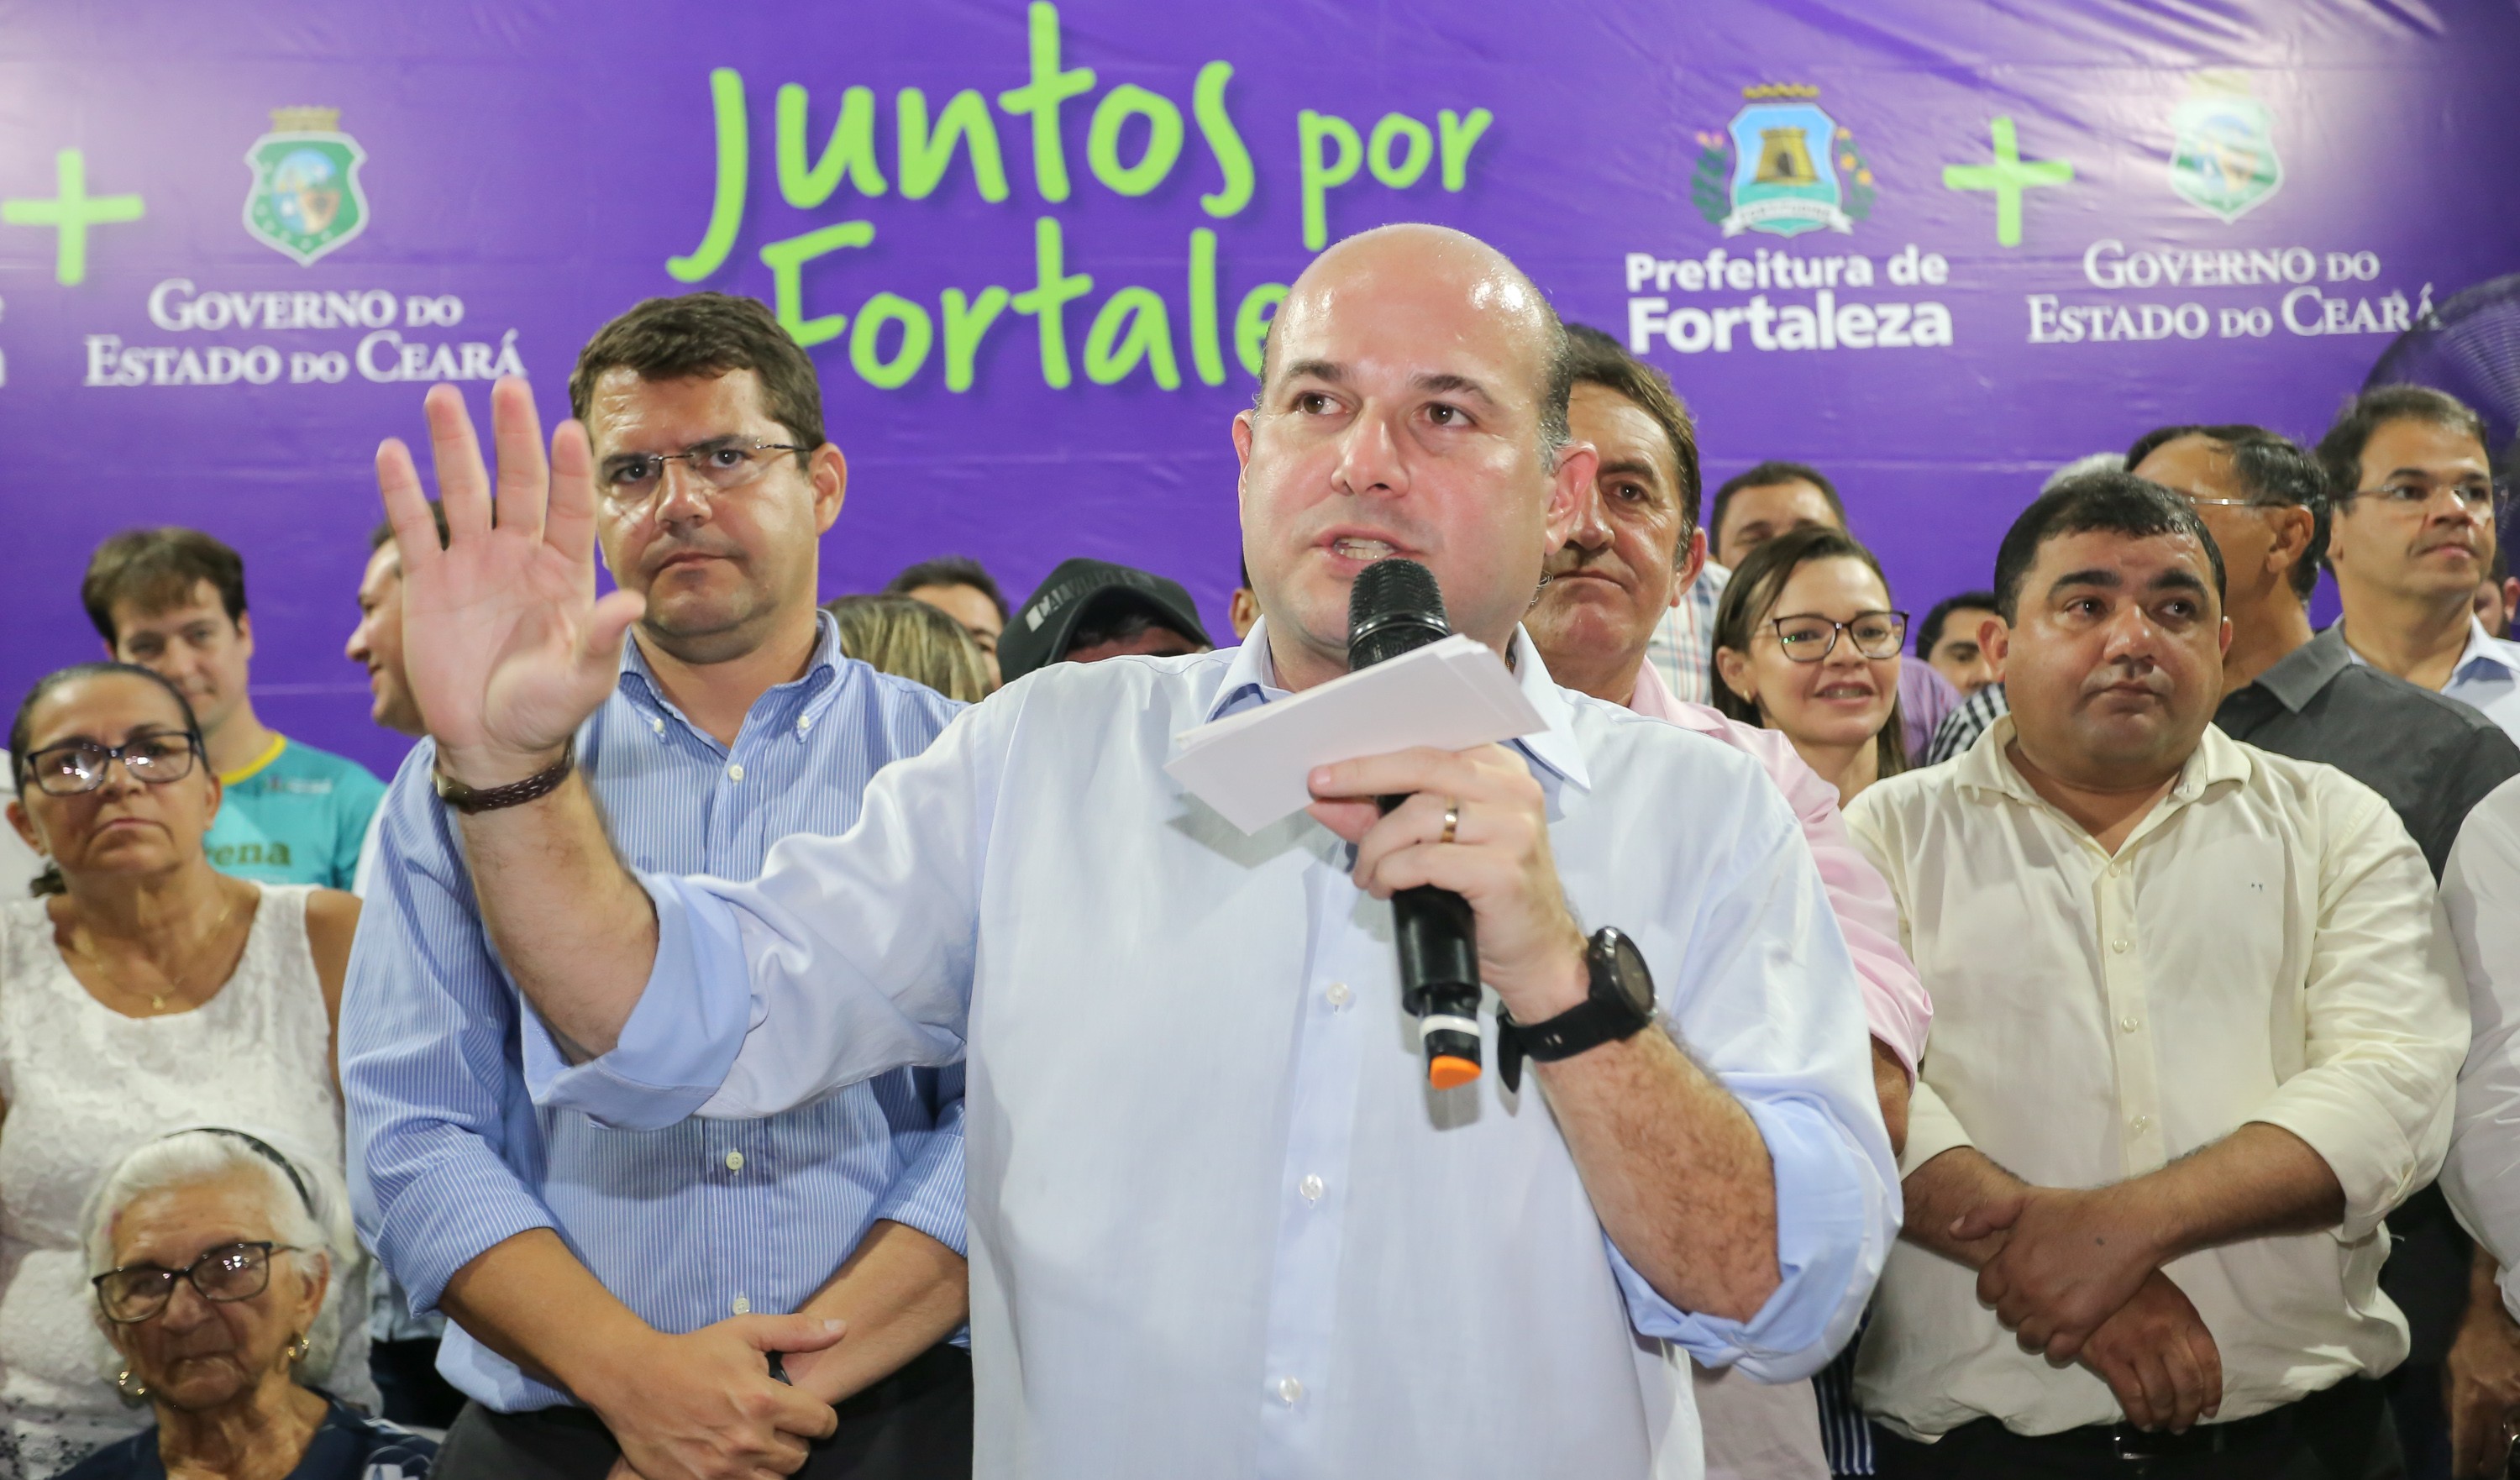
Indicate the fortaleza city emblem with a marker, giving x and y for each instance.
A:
(1783, 167)
(2223, 146)
(306, 198)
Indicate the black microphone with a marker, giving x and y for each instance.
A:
(1394, 608)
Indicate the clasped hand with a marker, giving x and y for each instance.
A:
(2077, 1277)
(1497, 857)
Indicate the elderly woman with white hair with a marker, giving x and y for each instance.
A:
(212, 1255)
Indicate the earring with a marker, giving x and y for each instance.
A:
(129, 1386)
(299, 1347)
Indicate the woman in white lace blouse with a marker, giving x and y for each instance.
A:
(148, 994)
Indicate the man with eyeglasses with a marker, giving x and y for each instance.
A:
(2195, 1030)
(2302, 694)
(650, 1275)
(2413, 537)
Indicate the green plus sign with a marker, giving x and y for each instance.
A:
(2009, 176)
(71, 213)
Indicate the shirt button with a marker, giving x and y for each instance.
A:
(805, 724)
(2130, 1023)
(1289, 1390)
(1338, 994)
(740, 1306)
(2118, 946)
(2139, 1124)
(735, 773)
(734, 1161)
(655, 724)
(1311, 1187)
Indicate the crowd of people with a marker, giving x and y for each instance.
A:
(2080, 1034)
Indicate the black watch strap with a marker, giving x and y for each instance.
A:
(1606, 1016)
(543, 782)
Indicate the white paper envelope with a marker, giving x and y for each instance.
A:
(1451, 695)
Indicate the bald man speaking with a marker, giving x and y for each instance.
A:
(1220, 1224)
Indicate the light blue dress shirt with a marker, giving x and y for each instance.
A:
(2486, 678)
(1221, 1228)
(686, 1222)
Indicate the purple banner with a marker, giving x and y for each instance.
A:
(1935, 249)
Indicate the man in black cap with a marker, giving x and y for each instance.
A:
(1089, 610)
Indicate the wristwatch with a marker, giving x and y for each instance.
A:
(1619, 1006)
(543, 782)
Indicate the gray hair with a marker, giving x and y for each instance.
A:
(308, 1205)
(2098, 462)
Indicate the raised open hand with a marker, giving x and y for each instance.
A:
(506, 648)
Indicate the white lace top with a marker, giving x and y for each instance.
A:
(84, 1084)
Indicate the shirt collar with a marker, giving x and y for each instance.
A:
(1987, 766)
(1252, 678)
(2482, 648)
(2296, 678)
(820, 680)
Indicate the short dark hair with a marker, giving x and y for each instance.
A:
(1596, 359)
(1774, 471)
(1929, 631)
(383, 536)
(2106, 503)
(156, 570)
(704, 336)
(2340, 450)
(948, 570)
(1752, 593)
(2274, 471)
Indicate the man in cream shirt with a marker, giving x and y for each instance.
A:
(2197, 1031)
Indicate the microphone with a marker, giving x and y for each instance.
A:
(1393, 609)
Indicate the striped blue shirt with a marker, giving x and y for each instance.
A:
(686, 1225)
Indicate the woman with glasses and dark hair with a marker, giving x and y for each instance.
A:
(145, 993)
(1806, 643)
(211, 1255)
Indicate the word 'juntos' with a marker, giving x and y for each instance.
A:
(176, 304)
(1822, 324)
(1765, 270)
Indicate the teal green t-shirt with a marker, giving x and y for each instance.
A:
(295, 817)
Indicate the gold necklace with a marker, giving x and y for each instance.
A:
(156, 1000)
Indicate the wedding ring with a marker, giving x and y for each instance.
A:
(1452, 822)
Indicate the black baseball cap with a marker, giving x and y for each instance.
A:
(1039, 633)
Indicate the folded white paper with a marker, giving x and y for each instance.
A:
(1450, 695)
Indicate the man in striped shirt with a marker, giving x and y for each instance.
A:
(626, 1297)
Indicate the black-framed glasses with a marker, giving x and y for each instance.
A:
(2478, 496)
(1810, 639)
(725, 465)
(227, 1273)
(74, 767)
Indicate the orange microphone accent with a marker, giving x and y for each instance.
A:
(1450, 1071)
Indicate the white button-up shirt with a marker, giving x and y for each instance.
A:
(2265, 946)
(1220, 1227)
(2481, 893)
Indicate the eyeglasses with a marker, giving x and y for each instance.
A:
(226, 1275)
(1810, 639)
(78, 766)
(2480, 498)
(2204, 503)
(725, 465)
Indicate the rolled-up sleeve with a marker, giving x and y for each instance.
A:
(1768, 1002)
(2481, 896)
(848, 957)
(2384, 1031)
(434, 1104)
(927, 1195)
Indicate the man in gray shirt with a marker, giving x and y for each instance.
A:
(2303, 695)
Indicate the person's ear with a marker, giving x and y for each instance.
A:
(2293, 528)
(2222, 644)
(1578, 463)
(25, 826)
(1693, 564)
(1995, 640)
(828, 470)
(1733, 666)
(244, 635)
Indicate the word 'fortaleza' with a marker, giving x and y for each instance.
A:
(1135, 140)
